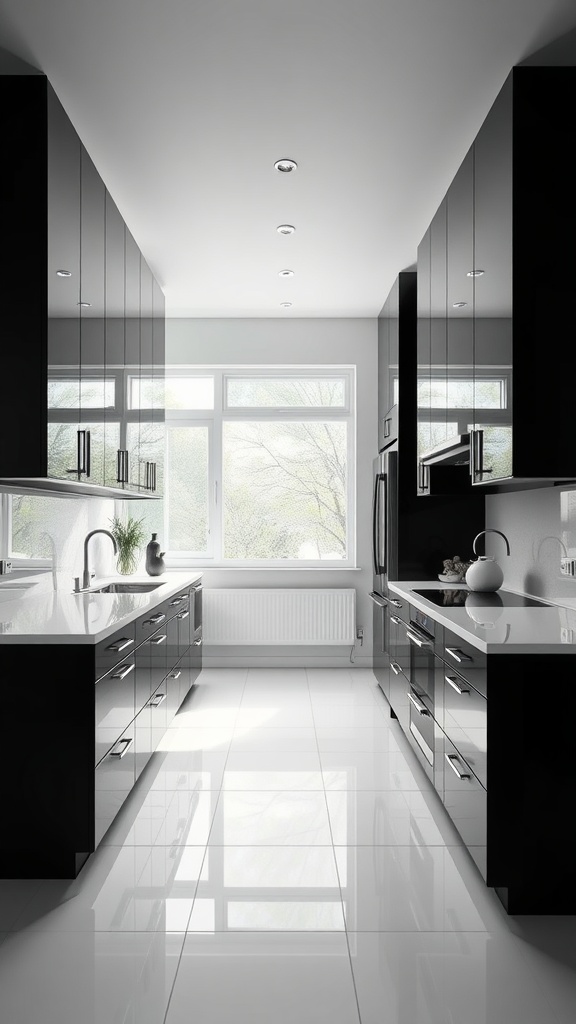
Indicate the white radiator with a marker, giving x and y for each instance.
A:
(278, 616)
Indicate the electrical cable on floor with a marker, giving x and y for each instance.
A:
(352, 649)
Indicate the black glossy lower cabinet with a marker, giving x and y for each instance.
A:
(79, 729)
(503, 766)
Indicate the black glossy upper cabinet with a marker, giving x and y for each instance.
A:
(388, 367)
(511, 265)
(68, 339)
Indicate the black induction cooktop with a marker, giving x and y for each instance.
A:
(451, 597)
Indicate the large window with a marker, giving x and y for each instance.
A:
(260, 466)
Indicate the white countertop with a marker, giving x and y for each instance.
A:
(32, 612)
(546, 629)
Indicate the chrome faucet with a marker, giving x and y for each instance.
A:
(86, 573)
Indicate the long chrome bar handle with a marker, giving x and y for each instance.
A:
(457, 654)
(420, 641)
(395, 668)
(122, 672)
(453, 682)
(420, 707)
(378, 600)
(395, 620)
(123, 748)
(454, 763)
(120, 645)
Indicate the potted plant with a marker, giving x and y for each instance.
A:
(129, 535)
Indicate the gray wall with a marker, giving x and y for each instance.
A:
(540, 525)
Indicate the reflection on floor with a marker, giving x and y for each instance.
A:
(283, 860)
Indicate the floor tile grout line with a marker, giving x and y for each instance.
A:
(220, 790)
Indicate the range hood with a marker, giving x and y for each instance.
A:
(51, 487)
(455, 451)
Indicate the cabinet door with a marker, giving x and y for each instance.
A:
(465, 801)
(115, 466)
(158, 390)
(438, 395)
(383, 372)
(492, 445)
(465, 721)
(424, 427)
(145, 448)
(114, 701)
(63, 291)
(92, 286)
(113, 781)
(460, 299)
(132, 356)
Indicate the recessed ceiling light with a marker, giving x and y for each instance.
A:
(458, 305)
(286, 304)
(285, 166)
(83, 303)
(285, 273)
(475, 273)
(63, 273)
(285, 229)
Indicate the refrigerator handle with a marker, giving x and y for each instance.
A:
(377, 550)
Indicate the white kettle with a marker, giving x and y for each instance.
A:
(485, 574)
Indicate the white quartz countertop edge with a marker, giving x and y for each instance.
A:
(40, 615)
(533, 630)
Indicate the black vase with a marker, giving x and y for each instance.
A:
(154, 557)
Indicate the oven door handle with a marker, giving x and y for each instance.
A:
(420, 707)
(419, 640)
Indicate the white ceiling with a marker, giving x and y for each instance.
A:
(184, 106)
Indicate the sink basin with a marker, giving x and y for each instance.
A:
(125, 588)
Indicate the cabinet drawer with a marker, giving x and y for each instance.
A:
(113, 780)
(466, 659)
(465, 801)
(465, 721)
(398, 606)
(114, 705)
(156, 617)
(114, 649)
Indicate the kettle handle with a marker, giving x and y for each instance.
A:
(481, 534)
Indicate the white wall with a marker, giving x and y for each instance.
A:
(300, 342)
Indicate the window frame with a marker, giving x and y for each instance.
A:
(223, 413)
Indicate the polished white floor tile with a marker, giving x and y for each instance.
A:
(253, 817)
(310, 869)
(141, 819)
(277, 677)
(288, 738)
(327, 716)
(186, 770)
(387, 818)
(548, 944)
(126, 889)
(267, 770)
(414, 889)
(441, 978)
(355, 738)
(252, 912)
(273, 714)
(373, 770)
(188, 819)
(262, 978)
(103, 978)
(205, 717)
(206, 740)
(350, 698)
(15, 895)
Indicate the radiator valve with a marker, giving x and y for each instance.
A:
(360, 635)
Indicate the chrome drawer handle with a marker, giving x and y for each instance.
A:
(177, 600)
(196, 589)
(454, 762)
(155, 619)
(125, 747)
(157, 700)
(397, 604)
(122, 672)
(457, 654)
(395, 620)
(156, 640)
(120, 645)
(176, 674)
(183, 615)
(197, 643)
(380, 601)
(420, 707)
(453, 682)
(416, 640)
(395, 668)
